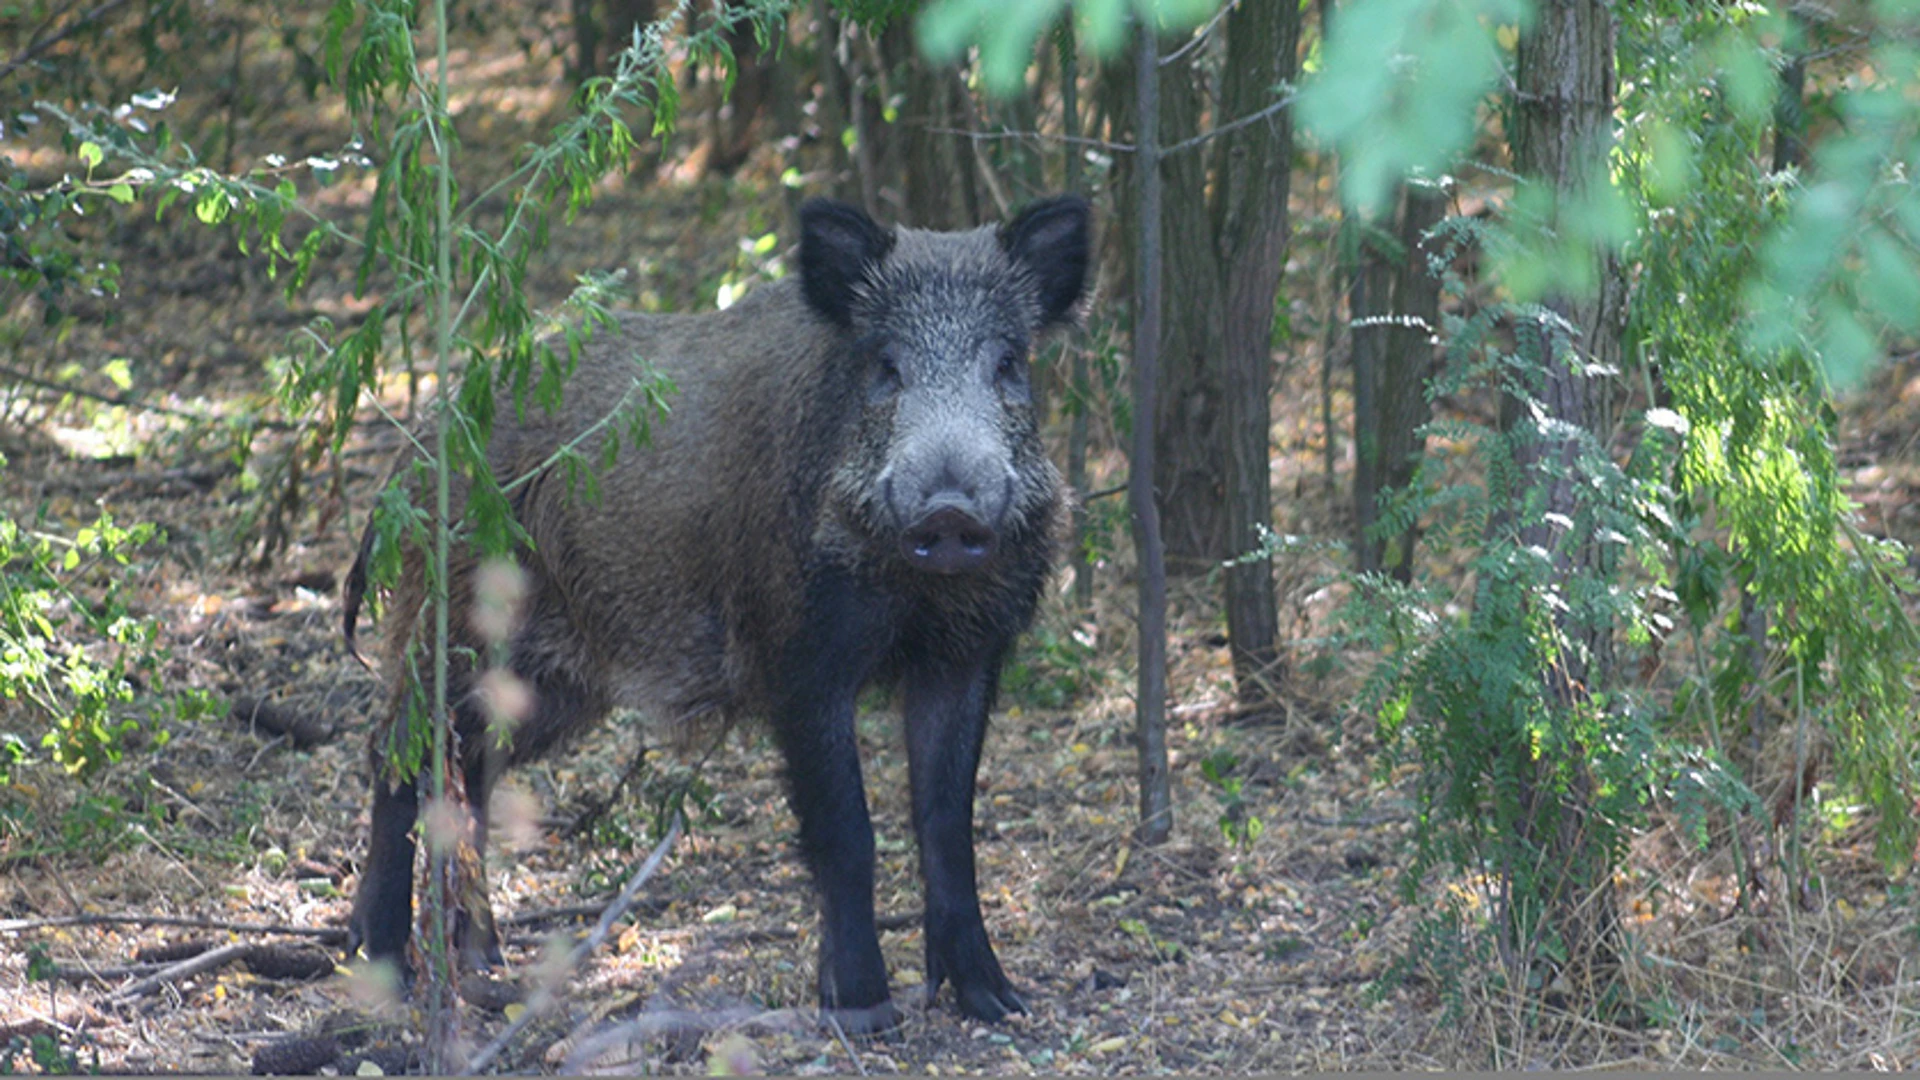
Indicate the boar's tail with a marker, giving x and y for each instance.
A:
(355, 591)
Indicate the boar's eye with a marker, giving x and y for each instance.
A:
(886, 374)
(1012, 368)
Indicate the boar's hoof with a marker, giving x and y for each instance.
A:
(867, 1023)
(948, 541)
(988, 1002)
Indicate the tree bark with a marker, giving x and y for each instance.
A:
(1409, 362)
(1252, 173)
(1561, 135)
(1189, 420)
(1372, 306)
(1396, 309)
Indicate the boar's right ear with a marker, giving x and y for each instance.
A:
(1050, 238)
(839, 245)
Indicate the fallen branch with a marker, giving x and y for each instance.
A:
(197, 478)
(275, 719)
(544, 999)
(326, 935)
(589, 910)
(109, 973)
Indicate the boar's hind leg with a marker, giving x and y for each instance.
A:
(563, 704)
(473, 928)
(814, 726)
(946, 718)
(383, 903)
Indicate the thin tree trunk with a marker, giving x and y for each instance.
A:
(1156, 801)
(1077, 357)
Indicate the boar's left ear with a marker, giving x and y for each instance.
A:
(1050, 238)
(839, 245)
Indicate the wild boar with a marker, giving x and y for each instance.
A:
(849, 488)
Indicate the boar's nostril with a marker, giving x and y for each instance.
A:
(947, 541)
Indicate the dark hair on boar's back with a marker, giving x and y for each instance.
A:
(849, 488)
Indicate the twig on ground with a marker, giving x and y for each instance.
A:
(543, 1000)
(206, 961)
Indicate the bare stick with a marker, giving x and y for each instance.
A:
(193, 965)
(1037, 136)
(1180, 147)
(543, 999)
(845, 1043)
(1199, 35)
(326, 934)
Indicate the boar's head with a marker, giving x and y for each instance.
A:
(945, 463)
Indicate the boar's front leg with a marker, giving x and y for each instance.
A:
(814, 726)
(946, 715)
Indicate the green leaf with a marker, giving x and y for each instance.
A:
(121, 193)
(1669, 167)
(1889, 288)
(212, 206)
(1848, 350)
(1005, 32)
(1400, 84)
(1747, 75)
(92, 155)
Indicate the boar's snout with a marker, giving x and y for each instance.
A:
(948, 495)
(948, 539)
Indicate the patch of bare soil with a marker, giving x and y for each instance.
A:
(1198, 956)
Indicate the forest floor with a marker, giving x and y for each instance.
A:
(1201, 955)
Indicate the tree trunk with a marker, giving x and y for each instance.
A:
(1396, 314)
(834, 114)
(1372, 308)
(1150, 704)
(932, 162)
(1253, 171)
(601, 29)
(1561, 135)
(1189, 422)
(1409, 362)
(1223, 234)
(735, 130)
